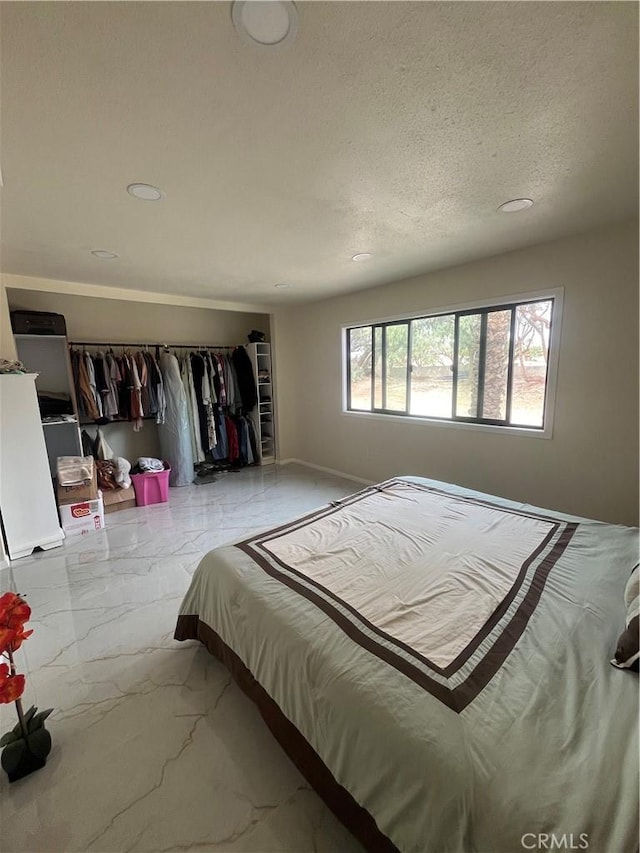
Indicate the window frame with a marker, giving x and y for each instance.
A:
(484, 308)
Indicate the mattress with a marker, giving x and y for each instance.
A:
(436, 660)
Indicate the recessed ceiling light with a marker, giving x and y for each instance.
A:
(363, 256)
(269, 23)
(145, 191)
(102, 253)
(516, 204)
(282, 286)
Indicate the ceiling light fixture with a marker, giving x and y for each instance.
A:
(515, 205)
(104, 255)
(282, 286)
(145, 191)
(267, 23)
(362, 257)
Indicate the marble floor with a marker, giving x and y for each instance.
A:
(154, 747)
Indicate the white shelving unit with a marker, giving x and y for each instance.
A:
(260, 355)
(48, 356)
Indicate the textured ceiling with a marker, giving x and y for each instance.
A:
(392, 128)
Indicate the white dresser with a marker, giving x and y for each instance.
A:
(27, 501)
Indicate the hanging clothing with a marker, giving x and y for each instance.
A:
(245, 378)
(137, 412)
(211, 372)
(124, 389)
(243, 440)
(84, 393)
(192, 409)
(175, 441)
(113, 377)
(197, 368)
(221, 391)
(155, 380)
(221, 450)
(141, 366)
(206, 406)
(208, 399)
(229, 383)
(149, 403)
(251, 459)
(256, 450)
(91, 375)
(232, 438)
(100, 372)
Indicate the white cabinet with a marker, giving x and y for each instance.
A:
(260, 355)
(27, 502)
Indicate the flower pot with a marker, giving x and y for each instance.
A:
(21, 757)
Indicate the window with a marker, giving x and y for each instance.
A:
(486, 365)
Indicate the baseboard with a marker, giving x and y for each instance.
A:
(331, 471)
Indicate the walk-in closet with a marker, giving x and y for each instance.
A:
(134, 380)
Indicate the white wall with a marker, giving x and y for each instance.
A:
(92, 318)
(589, 467)
(7, 345)
(286, 379)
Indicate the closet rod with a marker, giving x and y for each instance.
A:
(147, 344)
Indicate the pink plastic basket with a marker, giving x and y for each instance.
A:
(152, 487)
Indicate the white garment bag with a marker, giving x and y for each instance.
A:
(175, 432)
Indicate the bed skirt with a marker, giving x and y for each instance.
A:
(338, 799)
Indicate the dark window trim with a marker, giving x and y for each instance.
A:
(409, 365)
(483, 311)
(482, 356)
(373, 367)
(512, 348)
(383, 367)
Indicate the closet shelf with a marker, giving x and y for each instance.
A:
(21, 337)
(115, 421)
(260, 353)
(60, 423)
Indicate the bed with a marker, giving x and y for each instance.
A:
(436, 661)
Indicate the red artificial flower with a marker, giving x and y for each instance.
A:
(14, 611)
(6, 639)
(18, 637)
(11, 686)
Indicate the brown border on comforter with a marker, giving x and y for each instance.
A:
(353, 816)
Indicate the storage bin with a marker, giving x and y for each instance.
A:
(152, 487)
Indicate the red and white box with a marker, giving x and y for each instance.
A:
(82, 517)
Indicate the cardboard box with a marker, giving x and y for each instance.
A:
(82, 517)
(87, 491)
(115, 499)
